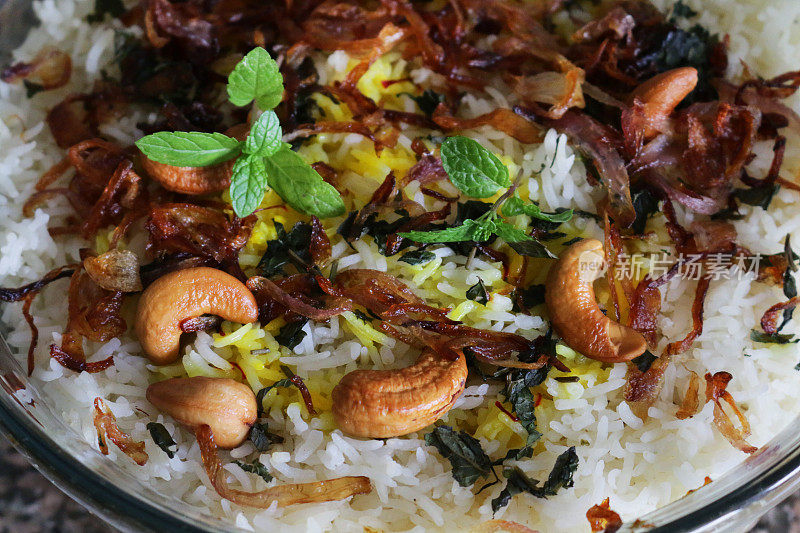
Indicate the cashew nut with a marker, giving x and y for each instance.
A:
(186, 294)
(390, 403)
(661, 94)
(574, 312)
(226, 406)
(196, 180)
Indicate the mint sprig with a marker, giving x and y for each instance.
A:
(263, 158)
(490, 224)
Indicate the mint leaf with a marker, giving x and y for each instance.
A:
(265, 136)
(248, 183)
(521, 242)
(470, 230)
(256, 77)
(515, 206)
(189, 148)
(476, 171)
(509, 233)
(301, 186)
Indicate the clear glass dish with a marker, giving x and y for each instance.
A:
(731, 503)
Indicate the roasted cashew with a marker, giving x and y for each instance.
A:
(226, 406)
(195, 180)
(186, 294)
(574, 312)
(661, 94)
(390, 403)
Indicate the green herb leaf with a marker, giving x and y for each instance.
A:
(520, 241)
(189, 148)
(265, 136)
(248, 183)
(262, 438)
(363, 316)
(470, 230)
(681, 10)
(285, 249)
(645, 205)
(256, 467)
(292, 333)
(644, 361)
(476, 171)
(417, 257)
(515, 206)
(532, 296)
(256, 77)
(428, 101)
(464, 452)
(478, 293)
(523, 404)
(560, 477)
(777, 338)
(31, 88)
(115, 8)
(757, 196)
(162, 438)
(301, 186)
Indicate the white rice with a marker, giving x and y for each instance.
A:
(640, 464)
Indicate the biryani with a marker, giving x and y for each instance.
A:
(393, 266)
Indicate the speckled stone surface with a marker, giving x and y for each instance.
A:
(31, 504)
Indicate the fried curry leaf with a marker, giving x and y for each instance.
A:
(533, 296)
(644, 361)
(31, 88)
(777, 338)
(256, 467)
(286, 248)
(115, 8)
(417, 257)
(292, 333)
(286, 382)
(262, 438)
(162, 438)
(757, 196)
(523, 404)
(645, 205)
(789, 284)
(478, 293)
(464, 452)
(681, 10)
(560, 477)
(428, 100)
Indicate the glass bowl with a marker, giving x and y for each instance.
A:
(733, 502)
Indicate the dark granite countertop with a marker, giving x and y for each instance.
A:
(31, 504)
